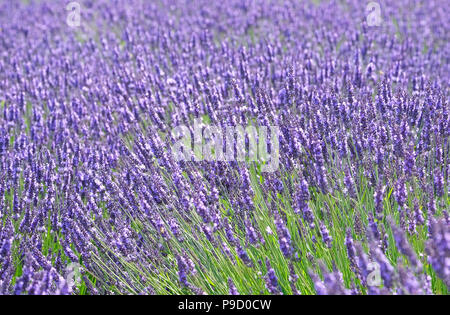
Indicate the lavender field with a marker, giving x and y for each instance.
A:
(117, 175)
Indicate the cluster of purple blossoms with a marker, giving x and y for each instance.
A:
(88, 177)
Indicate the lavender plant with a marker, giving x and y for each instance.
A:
(357, 205)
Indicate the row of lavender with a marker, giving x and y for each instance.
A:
(358, 205)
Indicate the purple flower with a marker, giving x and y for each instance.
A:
(271, 279)
(400, 192)
(438, 249)
(284, 237)
(242, 254)
(404, 247)
(182, 271)
(232, 287)
(325, 235)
